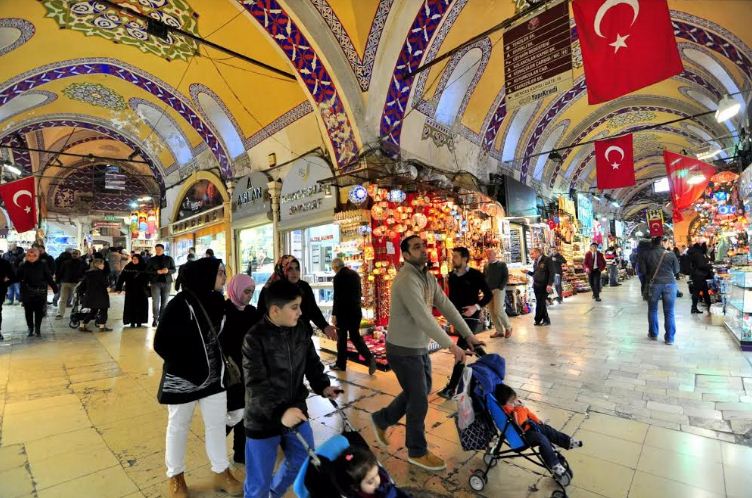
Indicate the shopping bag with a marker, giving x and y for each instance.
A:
(477, 435)
(465, 411)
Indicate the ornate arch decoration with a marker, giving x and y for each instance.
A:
(190, 181)
(25, 31)
(90, 123)
(197, 88)
(310, 68)
(62, 190)
(430, 15)
(493, 121)
(164, 92)
(178, 150)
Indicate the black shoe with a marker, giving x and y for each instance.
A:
(38, 333)
(546, 323)
(537, 324)
(31, 333)
(336, 368)
(696, 311)
(154, 323)
(1, 337)
(446, 393)
(652, 337)
(597, 299)
(372, 366)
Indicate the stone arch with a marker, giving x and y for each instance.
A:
(164, 92)
(224, 130)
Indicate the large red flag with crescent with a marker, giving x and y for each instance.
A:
(687, 179)
(626, 45)
(614, 162)
(20, 199)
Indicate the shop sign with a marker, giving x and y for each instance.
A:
(302, 194)
(538, 57)
(585, 213)
(202, 196)
(251, 197)
(107, 224)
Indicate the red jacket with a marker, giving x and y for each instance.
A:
(588, 265)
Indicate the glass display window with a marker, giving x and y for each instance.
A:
(256, 254)
(211, 238)
(314, 247)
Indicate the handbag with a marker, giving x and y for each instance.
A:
(465, 411)
(477, 435)
(647, 292)
(231, 376)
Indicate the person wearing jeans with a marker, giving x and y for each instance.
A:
(559, 262)
(661, 268)
(415, 292)
(160, 268)
(594, 264)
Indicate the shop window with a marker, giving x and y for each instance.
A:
(457, 87)
(256, 255)
(314, 247)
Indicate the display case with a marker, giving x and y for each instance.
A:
(738, 319)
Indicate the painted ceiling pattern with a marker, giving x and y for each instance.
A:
(95, 94)
(367, 96)
(97, 19)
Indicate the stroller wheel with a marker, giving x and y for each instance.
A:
(478, 480)
(558, 494)
(489, 460)
(74, 324)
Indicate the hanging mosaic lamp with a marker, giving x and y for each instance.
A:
(358, 194)
(396, 195)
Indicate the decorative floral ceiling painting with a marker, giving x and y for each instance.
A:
(96, 95)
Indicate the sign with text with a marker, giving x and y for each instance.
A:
(202, 196)
(250, 196)
(585, 214)
(538, 57)
(302, 194)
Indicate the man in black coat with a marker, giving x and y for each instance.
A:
(7, 275)
(347, 314)
(700, 271)
(469, 293)
(543, 281)
(161, 268)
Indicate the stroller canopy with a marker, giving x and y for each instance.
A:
(488, 372)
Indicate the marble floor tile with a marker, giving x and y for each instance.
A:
(706, 475)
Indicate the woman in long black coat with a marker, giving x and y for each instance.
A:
(136, 282)
(95, 296)
(34, 277)
(240, 316)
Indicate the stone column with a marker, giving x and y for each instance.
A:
(275, 190)
(230, 263)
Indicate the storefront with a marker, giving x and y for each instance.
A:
(143, 229)
(253, 227)
(200, 219)
(307, 224)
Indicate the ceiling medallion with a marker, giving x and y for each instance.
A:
(96, 95)
(95, 18)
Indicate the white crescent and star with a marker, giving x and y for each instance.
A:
(21, 193)
(614, 148)
(621, 41)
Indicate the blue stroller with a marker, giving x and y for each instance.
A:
(488, 372)
(316, 477)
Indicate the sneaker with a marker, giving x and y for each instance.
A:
(372, 366)
(105, 329)
(225, 481)
(559, 470)
(379, 433)
(574, 443)
(58, 316)
(669, 343)
(652, 337)
(429, 461)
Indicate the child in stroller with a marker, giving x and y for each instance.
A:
(344, 466)
(78, 313)
(535, 432)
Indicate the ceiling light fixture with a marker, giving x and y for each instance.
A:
(10, 168)
(696, 179)
(709, 154)
(727, 109)
(555, 157)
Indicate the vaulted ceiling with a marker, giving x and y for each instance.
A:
(84, 75)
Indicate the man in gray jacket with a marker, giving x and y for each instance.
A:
(411, 327)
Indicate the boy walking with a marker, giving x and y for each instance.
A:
(277, 353)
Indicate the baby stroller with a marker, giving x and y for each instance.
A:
(488, 372)
(317, 471)
(79, 314)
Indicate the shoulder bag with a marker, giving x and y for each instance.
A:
(647, 292)
(232, 376)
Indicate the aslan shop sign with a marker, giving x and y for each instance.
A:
(250, 197)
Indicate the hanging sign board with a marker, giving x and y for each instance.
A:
(655, 222)
(250, 197)
(585, 214)
(538, 57)
(202, 196)
(302, 194)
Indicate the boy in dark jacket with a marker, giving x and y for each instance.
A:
(95, 296)
(277, 353)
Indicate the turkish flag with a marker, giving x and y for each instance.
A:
(687, 179)
(20, 201)
(626, 45)
(614, 162)
(655, 222)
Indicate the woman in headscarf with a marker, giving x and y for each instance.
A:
(240, 316)
(279, 274)
(136, 282)
(188, 340)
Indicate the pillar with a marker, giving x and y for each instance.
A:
(275, 190)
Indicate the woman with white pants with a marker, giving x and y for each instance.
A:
(189, 344)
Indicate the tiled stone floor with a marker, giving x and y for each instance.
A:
(78, 414)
